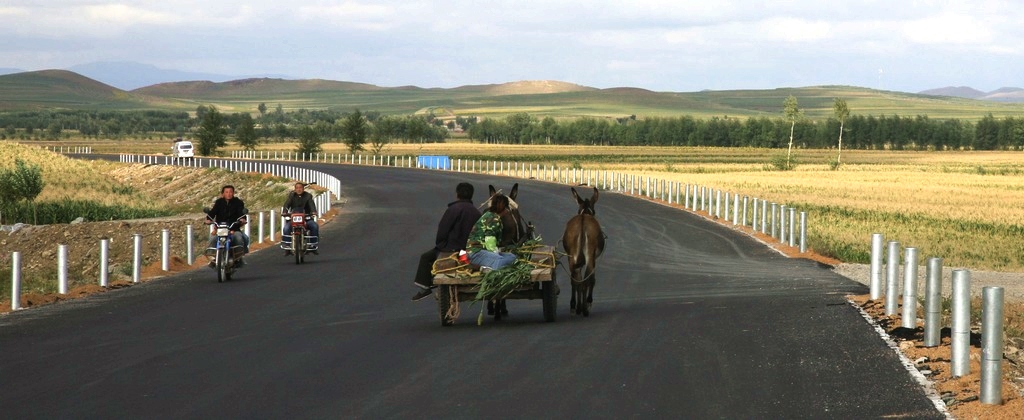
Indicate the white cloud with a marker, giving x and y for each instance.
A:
(948, 28)
(358, 15)
(120, 14)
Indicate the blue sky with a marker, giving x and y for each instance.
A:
(669, 45)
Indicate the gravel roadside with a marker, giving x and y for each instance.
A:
(1012, 283)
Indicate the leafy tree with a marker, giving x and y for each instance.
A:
(201, 111)
(841, 112)
(309, 141)
(355, 130)
(262, 108)
(211, 133)
(986, 133)
(520, 127)
(23, 182)
(792, 111)
(245, 133)
(384, 130)
(53, 130)
(281, 131)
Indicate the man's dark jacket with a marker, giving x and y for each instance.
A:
(302, 202)
(453, 230)
(225, 211)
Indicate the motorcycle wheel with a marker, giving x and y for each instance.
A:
(222, 267)
(297, 246)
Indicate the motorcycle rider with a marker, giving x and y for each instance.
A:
(228, 209)
(300, 200)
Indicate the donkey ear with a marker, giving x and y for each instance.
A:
(491, 190)
(576, 196)
(593, 200)
(515, 191)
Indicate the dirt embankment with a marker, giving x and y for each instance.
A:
(185, 189)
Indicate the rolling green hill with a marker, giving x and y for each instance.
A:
(58, 89)
(62, 89)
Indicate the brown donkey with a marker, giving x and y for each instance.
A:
(583, 241)
(514, 231)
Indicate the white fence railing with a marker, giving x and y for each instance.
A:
(323, 204)
(783, 223)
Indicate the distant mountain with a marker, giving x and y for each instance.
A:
(129, 75)
(56, 89)
(62, 89)
(955, 91)
(247, 87)
(4, 70)
(527, 87)
(1005, 94)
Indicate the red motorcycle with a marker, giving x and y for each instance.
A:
(302, 240)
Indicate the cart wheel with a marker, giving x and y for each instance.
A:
(550, 298)
(444, 303)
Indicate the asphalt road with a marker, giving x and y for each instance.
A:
(690, 320)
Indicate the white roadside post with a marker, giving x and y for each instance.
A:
(137, 258)
(62, 269)
(877, 243)
(992, 345)
(960, 337)
(892, 283)
(189, 246)
(165, 250)
(15, 281)
(259, 230)
(910, 287)
(104, 261)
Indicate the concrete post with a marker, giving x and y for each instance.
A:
(165, 250)
(273, 220)
(259, 230)
(15, 281)
(104, 261)
(910, 288)
(62, 269)
(933, 302)
(877, 242)
(961, 329)
(803, 232)
(189, 253)
(892, 283)
(992, 345)
(136, 257)
(792, 227)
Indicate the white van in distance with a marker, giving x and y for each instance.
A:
(182, 149)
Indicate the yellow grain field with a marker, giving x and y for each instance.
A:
(966, 207)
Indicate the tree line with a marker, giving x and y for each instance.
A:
(362, 130)
(267, 125)
(859, 132)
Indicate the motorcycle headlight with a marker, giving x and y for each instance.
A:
(297, 219)
(222, 231)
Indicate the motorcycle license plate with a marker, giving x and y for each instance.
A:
(222, 231)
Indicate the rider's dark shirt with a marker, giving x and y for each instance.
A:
(303, 202)
(225, 211)
(453, 230)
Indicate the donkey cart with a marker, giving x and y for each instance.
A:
(456, 282)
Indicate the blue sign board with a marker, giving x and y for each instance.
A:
(434, 162)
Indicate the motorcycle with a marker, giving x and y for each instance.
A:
(302, 241)
(225, 255)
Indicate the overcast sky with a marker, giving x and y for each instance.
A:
(668, 45)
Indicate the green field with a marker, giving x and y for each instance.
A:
(58, 89)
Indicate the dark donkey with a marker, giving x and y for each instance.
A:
(514, 231)
(583, 241)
